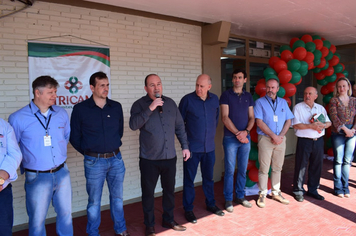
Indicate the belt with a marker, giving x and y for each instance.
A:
(314, 139)
(47, 171)
(103, 155)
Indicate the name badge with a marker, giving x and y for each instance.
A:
(47, 140)
(275, 118)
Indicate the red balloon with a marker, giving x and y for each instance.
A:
(309, 57)
(322, 63)
(329, 71)
(319, 76)
(269, 184)
(261, 89)
(331, 86)
(253, 134)
(288, 101)
(307, 38)
(322, 38)
(290, 89)
(292, 41)
(327, 107)
(287, 55)
(250, 164)
(324, 51)
(343, 66)
(324, 90)
(318, 43)
(261, 81)
(273, 60)
(311, 65)
(284, 76)
(332, 48)
(330, 152)
(300, 81)
(328, 132)
(334, 61)
(300, 53)
(280, 65)
(253, 174)
(339, 75)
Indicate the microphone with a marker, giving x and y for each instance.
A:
(160, 110)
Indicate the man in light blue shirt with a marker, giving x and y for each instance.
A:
(42, 130)
(10, 158)
(273, 118)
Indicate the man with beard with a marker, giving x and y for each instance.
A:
(273, 118)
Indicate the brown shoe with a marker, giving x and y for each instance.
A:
(150, 231)
(261, 200)
(125, 233)
(280, 198)
(173, 225)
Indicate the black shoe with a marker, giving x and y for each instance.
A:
(243, 202)
(150, 231)
(315, 195)
(173, 225)
(190, 217)
(299, 198)
(216, 210)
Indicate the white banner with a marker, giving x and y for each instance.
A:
(71, 65)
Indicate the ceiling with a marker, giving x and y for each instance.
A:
(275, 20)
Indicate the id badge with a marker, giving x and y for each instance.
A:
(47, 140)
(275, 118)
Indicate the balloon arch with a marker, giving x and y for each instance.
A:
(296, 59)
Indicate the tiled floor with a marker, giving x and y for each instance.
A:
(333, 216)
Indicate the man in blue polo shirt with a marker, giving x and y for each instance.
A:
(97, 126)
(238, 118)
(42, 130)
(273, 118)
(200, 112)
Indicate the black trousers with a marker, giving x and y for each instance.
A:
(7, 212)
(308, 151)
(150, 171)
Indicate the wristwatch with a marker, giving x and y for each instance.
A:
(2, 181)
(248, 132)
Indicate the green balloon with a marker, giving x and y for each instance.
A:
(269, 71)
(322, 82)
(326, 66)
(284, 47)
(293, 65)
(303, 72)
(257, 164)
(346, 73)
(281, 92)
(327, 44)
(297, 44)
(337, 54)
(316, 37)
(316, 70)
(310, 46)
(255, 96)
(338, 68)
(249, 183)
(331, 78)
(303, 66)
(253, 154)
(270, 171)
(317, 54)
(295, 78)
(316, 63)
(254, 145)
(328, 143)
(329, 56)
(268, 77)
(327, 97)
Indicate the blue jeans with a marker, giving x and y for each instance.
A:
(207, 161)
(235, 150)
(96, 171)
(343, 148)
(7, 212)
(41, 189)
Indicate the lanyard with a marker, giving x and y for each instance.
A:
(49, 120)
(274, 109)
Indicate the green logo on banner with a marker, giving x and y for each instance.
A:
(73, 85)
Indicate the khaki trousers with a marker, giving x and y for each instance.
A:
(270, 154)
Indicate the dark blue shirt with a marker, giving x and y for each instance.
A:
(95, 129)
(238, 108)
(201, 119)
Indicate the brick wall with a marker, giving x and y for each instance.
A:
(138, 46)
